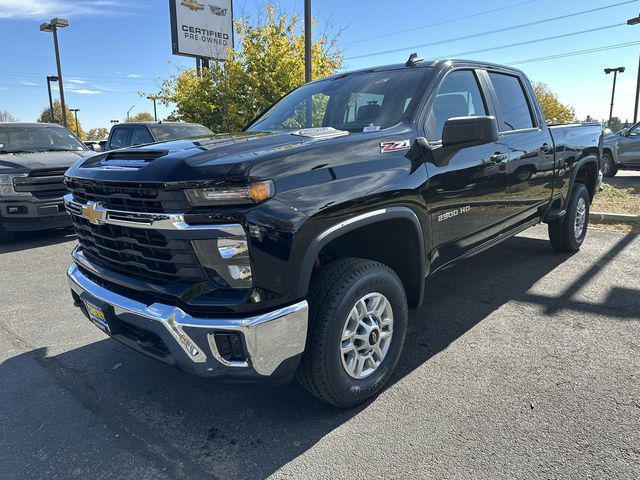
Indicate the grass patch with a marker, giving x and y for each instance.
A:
(617, 200)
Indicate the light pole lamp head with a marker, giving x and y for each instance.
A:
(611, 70)
(634, 20)
(52, 78)
(74, 109)
(53, 24)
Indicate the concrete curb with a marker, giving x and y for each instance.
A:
(613, 217)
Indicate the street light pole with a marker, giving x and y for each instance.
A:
(613, 92)
(155, 111)
(75, 113)
(307, 41)
(53, 28)
(51, 78)
(636, 21)
(128, 111)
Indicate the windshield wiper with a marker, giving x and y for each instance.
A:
(42, 150)
(4, 152)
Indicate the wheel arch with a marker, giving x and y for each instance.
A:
(586, 173)
(353, 237)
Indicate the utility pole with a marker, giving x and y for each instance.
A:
(75, 114)
(636, 21)
(52, 27)
(307, 41)
(613, 92)
(129, 111)
(51, 78)
(155, 111)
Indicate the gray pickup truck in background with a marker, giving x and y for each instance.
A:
(33, 159)
(621, 151)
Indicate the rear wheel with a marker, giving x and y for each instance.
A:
(357, 326)
(608, 166)
(567, 234)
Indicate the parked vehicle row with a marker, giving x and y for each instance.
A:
(297, 247)
(621, 151)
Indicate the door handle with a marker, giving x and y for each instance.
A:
(498, 157)
(546, 148)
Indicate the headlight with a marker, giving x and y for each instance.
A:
(231, 195)
(6, 185)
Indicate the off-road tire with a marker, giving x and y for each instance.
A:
(608, 166)
(562, 232)
(333, 292)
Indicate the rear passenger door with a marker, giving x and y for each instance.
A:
(531, 166)
(629, 146)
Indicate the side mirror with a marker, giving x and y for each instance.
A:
(95, 147)
(460, 132)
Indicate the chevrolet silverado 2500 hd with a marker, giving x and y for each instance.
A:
(33, 159)
(296, 247)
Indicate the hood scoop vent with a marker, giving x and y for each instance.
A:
(124, 159)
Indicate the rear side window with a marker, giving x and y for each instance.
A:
(515, 108)
(140, 135)
(119, 138)
(458, 96)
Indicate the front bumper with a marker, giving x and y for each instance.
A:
(272, 342)
(29, 213)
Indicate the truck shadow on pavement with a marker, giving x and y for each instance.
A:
(44, 238)
(193, 428)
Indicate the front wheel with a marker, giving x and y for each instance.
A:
(567, 234)
(358, 322)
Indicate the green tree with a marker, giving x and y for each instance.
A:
(96, 134)
(553, 109)
(45, 117)
(615, 124)
(141, 117)
(268, 64)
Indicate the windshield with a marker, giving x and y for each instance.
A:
(165, 132)
(38, 138)
(351, 102)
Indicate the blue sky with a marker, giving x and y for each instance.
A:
(117, 48)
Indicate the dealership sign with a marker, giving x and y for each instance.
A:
(202, 28)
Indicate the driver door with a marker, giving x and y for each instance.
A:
(629, 147)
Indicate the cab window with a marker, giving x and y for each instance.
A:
(140, 136)
(514, 106)
(459, 95)
(119, 137)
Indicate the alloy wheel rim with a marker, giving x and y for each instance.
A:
(366, 335)
(581, 217)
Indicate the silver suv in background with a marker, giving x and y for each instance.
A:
(621, 151)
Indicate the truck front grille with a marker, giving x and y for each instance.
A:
(140, 253)
(42, 184)
(129, 197)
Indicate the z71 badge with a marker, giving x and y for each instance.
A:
(386, 147)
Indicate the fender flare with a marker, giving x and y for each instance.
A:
(351, 224)
(589, 158)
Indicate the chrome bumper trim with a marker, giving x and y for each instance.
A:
(97, 214)
(270, 338)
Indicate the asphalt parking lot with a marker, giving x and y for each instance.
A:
(523, 363)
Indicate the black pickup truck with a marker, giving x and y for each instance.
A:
(297, 247)
(33, 159)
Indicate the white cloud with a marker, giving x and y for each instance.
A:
(134, 75)
(31, 84)
(44, 9)
(76, 81)
(84, 91)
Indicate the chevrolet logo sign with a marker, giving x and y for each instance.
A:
(94, 213)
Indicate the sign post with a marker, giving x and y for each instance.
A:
(202, 28)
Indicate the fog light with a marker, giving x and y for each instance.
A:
(230, 248)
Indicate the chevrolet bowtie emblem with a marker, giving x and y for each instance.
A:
(94, 213)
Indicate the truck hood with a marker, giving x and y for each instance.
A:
(210, 158)
(27, 162)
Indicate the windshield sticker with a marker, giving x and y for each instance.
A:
(386, 147)
(320, 132)
(371, 128)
